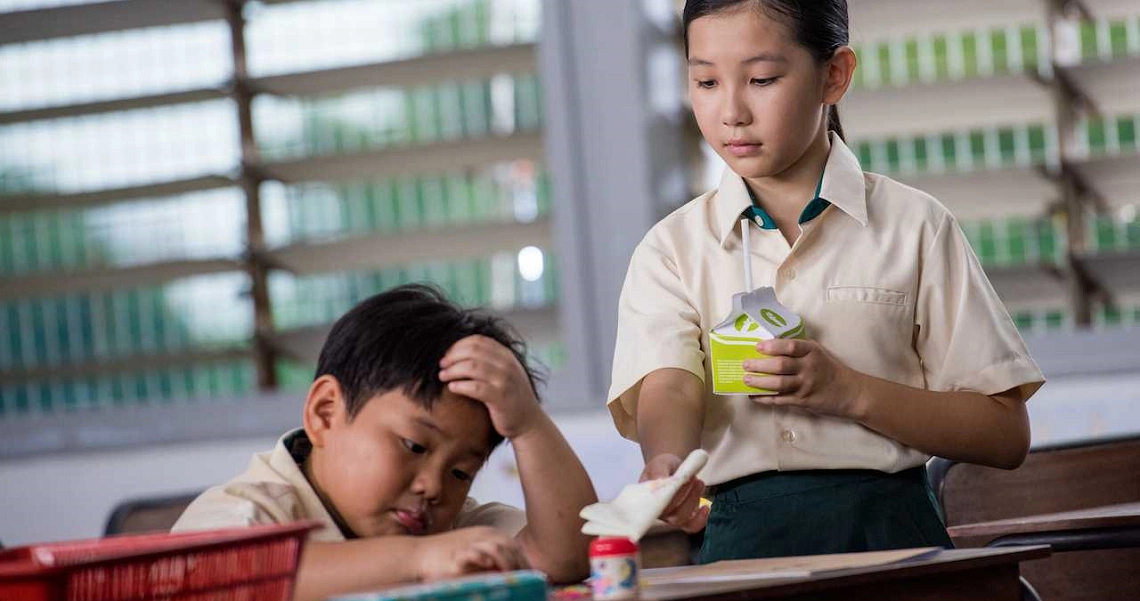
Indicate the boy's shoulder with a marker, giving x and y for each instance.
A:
(272, 490)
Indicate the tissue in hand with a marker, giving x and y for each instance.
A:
(638, 505)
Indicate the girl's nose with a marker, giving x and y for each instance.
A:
(735, 112)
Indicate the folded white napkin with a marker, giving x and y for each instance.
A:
(638, 505)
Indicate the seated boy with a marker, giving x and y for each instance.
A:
(411, 395)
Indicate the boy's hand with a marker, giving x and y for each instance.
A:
(805, 375)
(480, 368)
(467, 551)
(684, 511)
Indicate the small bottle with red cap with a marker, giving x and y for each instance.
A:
(614, 567)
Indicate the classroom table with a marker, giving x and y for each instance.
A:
(948, 575)
(1106, 527)
(1096, 550)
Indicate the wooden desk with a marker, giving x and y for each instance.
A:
(1123, 515)
(1107, 573)
(953, 575)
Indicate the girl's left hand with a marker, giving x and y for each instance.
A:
(804, 374)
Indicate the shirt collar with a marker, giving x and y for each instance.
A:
(842, 185)
(289, 458)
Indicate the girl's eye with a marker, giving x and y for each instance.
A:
(461, 475)
(706, 83)
(414, 446)
(763, 81)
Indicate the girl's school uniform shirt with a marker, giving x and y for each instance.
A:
(274, 490)
(884, 279)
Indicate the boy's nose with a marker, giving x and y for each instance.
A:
(429, 484)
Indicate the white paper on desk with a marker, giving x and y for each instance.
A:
(740, 570)
(638, 505)
(670, 579)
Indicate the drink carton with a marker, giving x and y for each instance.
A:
(755, 316)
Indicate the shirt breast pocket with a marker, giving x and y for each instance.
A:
(871, 329)
(866, 294)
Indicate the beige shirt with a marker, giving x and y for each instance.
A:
(273, 490)
(884, 279)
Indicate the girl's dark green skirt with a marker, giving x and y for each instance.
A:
(774, 514)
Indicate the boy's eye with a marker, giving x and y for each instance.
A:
(461, 475)
(706, 83)
(763, 81)
(414, 446)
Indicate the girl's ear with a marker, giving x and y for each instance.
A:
(840, 69)
(324, 410)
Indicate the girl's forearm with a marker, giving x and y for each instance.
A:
(670, 413)
(963, 426)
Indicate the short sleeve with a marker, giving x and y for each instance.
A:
(505, 518)
(965, 338)
(233, 506)
(657, 328)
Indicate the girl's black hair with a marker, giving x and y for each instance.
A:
(821, 26)
(396, 339)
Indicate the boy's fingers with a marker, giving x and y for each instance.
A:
(472, 389)
(471, 347)
(517, 557)
(477, 368)
(524, 563)
(463, 369)
(502, 555)
(470, 560)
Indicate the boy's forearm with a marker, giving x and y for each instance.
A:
(670, 413)
(343, 567)
(556, 488)
(963, 426)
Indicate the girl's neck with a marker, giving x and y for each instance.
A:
(784, 195)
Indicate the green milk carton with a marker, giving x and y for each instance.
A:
(755, 316)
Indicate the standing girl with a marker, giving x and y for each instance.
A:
(911, 353)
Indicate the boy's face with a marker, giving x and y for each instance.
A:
(397, 468)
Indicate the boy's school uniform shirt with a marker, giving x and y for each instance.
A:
(274, 490)
(884, 279)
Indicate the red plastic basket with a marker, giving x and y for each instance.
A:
(258, 563)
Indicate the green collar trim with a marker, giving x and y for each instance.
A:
(813, 209)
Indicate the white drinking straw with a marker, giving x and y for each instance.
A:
(747, 255)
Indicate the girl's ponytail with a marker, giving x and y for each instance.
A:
(833, 123)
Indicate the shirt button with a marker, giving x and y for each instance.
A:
(790, 273)
(788, 436)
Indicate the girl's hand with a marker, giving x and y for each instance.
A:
(480, 368)
(804, 374)
(684, 511)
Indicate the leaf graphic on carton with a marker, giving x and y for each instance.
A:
(744, 323)
(755, 316)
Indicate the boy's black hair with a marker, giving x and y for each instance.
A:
(396, 339)
(821, 26)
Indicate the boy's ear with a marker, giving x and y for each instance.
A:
(840, 70)
(325, 408)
